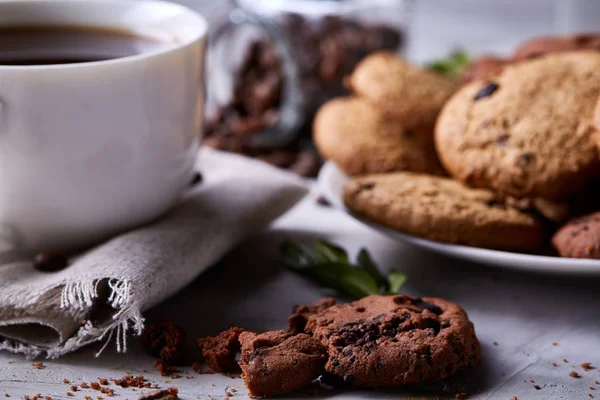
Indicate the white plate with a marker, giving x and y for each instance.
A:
(331, 180)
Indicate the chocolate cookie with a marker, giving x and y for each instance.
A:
(395, 340)
(276, 362)
(579, 238)
(444, 210)
(360, 139)
(297, 321)
(528, 132)
(554, 44)
(219, 351)
(483, 67)
(415, 95)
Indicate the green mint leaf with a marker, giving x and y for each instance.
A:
(365, 262)
(396, 279)
(330, 252)
(296, 255)
(452, 65)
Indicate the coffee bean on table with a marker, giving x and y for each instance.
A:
(50, 262)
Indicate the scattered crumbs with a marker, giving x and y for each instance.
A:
(66, 381)
(555, 344)
(537, 387)
(87, 398)
(554, 364)
(213, 384)
(587, 366)
(47, 398)
(84, 385)
(514, 398)
(591, 396)
(103, 381)
(11, 362)
(175, 376)
(228, 394)
(197, 367)
(26, 397)
(95, 385)
(233, 390)
(565, 361)
(189, 377)
(73, 388)
(574, 374)
(99, 398)
(38, 365)
(592, 388)
(532, 381)
(156, 386)
(69, 394)
(164, 368)
(166, 394)
(129, 380)
(495, 343)
(597, 382)
(525, 380)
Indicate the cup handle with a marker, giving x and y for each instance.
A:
(290, 112)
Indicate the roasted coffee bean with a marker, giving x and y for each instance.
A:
(486, 91)
(196, 179)
(50, 262)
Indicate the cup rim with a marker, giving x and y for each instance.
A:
(202, 31)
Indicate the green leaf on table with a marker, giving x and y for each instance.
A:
(452, 65)
(366, 263)
(329, 265)
(396, 280)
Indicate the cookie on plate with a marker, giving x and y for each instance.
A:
(444, 210)
(579, 237)
(395, 340)
(359, 139)
(554, 44)
(277, 362)
(414, 94)
(483, 67)
(528, 132)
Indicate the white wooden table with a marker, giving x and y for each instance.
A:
(517, 317)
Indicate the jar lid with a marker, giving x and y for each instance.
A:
(312, 7)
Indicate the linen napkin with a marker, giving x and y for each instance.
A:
(102, 294)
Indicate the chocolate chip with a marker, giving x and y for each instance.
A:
(197, 178)
(349, 378)
(486, 91)
(502, 140)
(257, 352)
(50, 262)
(427, 306)
(526, 158)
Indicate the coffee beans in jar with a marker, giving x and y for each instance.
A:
(326, 40)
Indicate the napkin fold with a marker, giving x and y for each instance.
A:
(102, 294)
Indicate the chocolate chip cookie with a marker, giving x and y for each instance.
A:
(528, 132)
(579, 238)
(395, 340)
(483, 67)
(219, 351)
(360, 139)
(277, 362)
(297, 321)
(553, 44)
(414, 94)
(444, 210)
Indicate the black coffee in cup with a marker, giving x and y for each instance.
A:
(44, 45)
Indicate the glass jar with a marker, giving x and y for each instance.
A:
(275, 62)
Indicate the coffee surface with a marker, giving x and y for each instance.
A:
(45, 45)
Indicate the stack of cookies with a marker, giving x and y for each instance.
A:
(509, 160)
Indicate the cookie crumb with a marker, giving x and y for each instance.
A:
(73, 388)
(565, 361)
(69, 394)
(514, 398)
(323, 201)
(95, 385)
(495, 343)
(47, 398)
(87, 398)
(554, 364)
(39, 365)
(233, 390)
(532, 381)
(592, 388)
(129, 380)
(6, 395)
(103, 381)
(537, 387)
(164, 340)
(66, 381)
(587, 366)
(164, 368)
(84, 385)
(165, 394)
(555, 344)
(574, 374)
(220, 351)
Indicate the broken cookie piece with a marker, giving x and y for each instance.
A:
(219, 351)
(164, 340)
(277, 362)
(297, 321)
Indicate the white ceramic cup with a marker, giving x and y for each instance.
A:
(88, 150)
